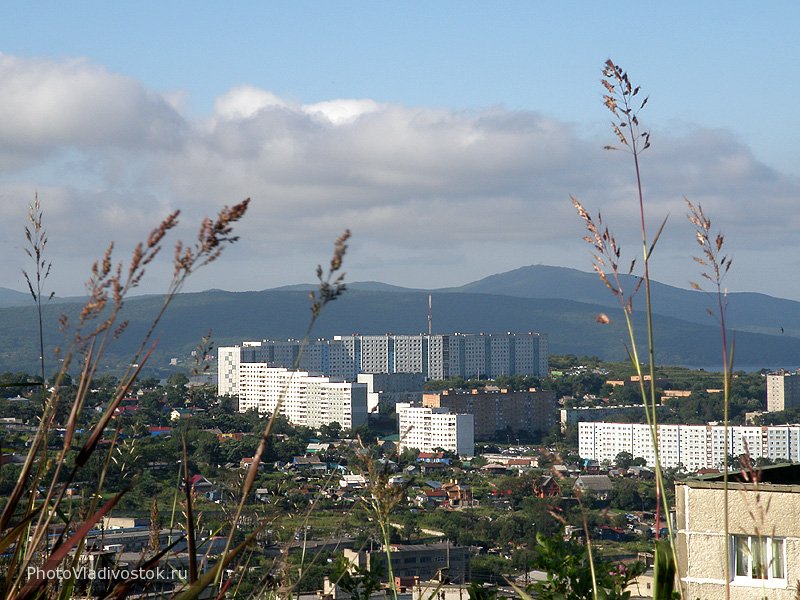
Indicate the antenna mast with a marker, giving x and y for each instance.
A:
(430, 315)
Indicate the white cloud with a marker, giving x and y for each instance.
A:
(341, 111)
(46, 106)
(469, 189)
(244, 101)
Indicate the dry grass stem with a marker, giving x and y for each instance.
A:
(97, 325)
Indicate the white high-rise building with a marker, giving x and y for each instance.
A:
(427, 429)
(302, 398)
(434, 356)
(228, 360)
(692, 446)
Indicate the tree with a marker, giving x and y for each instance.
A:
(359, 582)
(625, 495)
(208, 448)
(331, 431)
(623, 460)
(178, 380)
(410, 526)
(569, 573)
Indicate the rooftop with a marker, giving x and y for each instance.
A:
(786, 474)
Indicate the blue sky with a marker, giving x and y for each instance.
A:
(448, 136)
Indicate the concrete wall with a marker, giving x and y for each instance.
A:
(770, 510)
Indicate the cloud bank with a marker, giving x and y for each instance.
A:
(434, 197)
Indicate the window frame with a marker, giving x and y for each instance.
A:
(768, 544)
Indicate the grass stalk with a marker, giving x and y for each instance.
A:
(329, 288)
(619, 99)
(715, 266)
(97, 325)
(36, 236)
(190, 536)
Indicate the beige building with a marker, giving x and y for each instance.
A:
(762, 549)
(532, 412)
(783, 390)
(423, 561)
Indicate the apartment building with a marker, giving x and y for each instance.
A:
(783, 390)
(304, 399)
(434, 356)
(627, 412)
(762, 549)
(423, 561)
(691, 446)
(427, 428)
(531, 412)
(387, 389)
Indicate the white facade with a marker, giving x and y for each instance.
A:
(435, 356)
(228, 359)
(692, 446)
(303, 399)
(427, 429)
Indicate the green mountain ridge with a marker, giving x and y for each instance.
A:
(236, 316)
(747, 311)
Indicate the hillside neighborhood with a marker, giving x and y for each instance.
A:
(473, 474)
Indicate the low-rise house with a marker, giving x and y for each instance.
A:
(591, 466)
(389, 443)
(432, 467)
(643, 586)
(311, 463)
(494, 469)
(125, 410)
(432, 457)
(18, 398)
(522, 463)
(353, 482)
(230, 436)
(615, 534)
(178, 414)
(458, 495)
(708, 471)
(427, 590)
(599, 485)
(565, 470)
(201, 486)
(640, 472)
(433, 498)
(247, 461)
(317, 447)
(546, 487)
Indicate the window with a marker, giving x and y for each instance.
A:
(760, 558)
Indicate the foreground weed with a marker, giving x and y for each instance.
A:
(621, 98)
(330, 286)
(36, 236)
(35, 504)
(715, 265)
